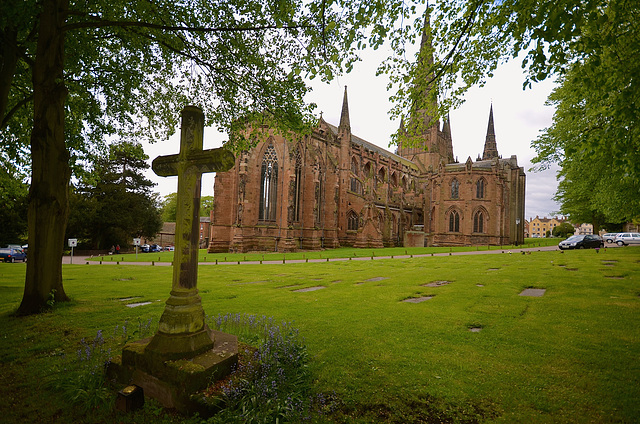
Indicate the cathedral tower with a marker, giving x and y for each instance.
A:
(421, 139)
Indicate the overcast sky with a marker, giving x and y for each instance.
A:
(519, 116)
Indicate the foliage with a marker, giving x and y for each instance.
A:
(274, 384)
(13, 198)
(563, 230)
(170, 203)
(595, 136)
(81, 380)
(114, 202)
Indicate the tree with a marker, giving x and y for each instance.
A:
(169, 205)
(13, 213)
(595, 135)
(563, 230)
(72, 73)
(116, 204)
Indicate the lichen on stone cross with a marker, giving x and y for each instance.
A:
(182, 330)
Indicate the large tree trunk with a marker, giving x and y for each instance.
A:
(49, 192)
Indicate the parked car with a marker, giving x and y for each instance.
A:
(11, 255)
(169, 248)
(145, 248)
(625, 239)
(609, 237)
(155, 248)
(581, 242)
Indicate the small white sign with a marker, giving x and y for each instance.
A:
(73, 242)
(136, 242)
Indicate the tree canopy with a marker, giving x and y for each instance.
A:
(115, 202)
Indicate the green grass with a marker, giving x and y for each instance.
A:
(345, 252)
(569, 356)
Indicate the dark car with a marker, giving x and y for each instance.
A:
(581, 242)
(12, 255)
(155, 248)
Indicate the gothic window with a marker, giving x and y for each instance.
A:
(381, 176)
(354, 166)
(454, 221)
(394, 179)
(478, 222)
(269, 186)
(455, 189)
(355, 185)
(404, 182)
(319, 195)
(367, 169)
(480, 188)
(298, 187)
(352, 221)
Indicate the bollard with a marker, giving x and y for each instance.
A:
(118, 263)
(391, 256)
(327, 259)
(153, 263)
(87, 263)
(238, 262)
(260, 262)
(412, 256)
(307, 260)
(283, 260)
(216, 262)
(101, 262)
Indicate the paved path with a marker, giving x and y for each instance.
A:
(108, 259)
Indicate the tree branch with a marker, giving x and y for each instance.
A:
(100, 23)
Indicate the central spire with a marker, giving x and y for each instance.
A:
(345, 123)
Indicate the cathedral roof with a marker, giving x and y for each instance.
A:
(372, 147)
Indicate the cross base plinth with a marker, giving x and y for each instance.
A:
(182, 332)
(173, 382)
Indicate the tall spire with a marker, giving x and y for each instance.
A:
(490, 145)
(345, 123)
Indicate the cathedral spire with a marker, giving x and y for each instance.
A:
(345, 123)
(490, 145)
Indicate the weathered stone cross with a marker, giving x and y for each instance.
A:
(182, 332)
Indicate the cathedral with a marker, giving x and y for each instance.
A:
(331, 188)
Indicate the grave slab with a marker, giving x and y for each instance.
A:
(418, 299)
(533, 292)
(309, 289)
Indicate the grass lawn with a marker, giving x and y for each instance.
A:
(570, 356)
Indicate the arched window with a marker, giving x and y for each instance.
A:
(454, 221)
(298, 193)
(367, 169)
(455, 189)
(352, 221)
(355, 185)
(480, 188)
(381, 176)
(354, 166)
(269, 186)
(478, 222)
(394, 179)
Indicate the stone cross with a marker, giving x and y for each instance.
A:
(182, 332)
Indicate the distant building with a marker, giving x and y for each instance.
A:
(538, 227)
(583, 229)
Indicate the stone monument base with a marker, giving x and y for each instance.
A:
(172, 382)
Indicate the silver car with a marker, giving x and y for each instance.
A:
(625, 239)
(609, 237)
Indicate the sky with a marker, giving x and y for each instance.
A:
(519, 117)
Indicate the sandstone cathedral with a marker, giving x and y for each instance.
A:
(331, 188)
